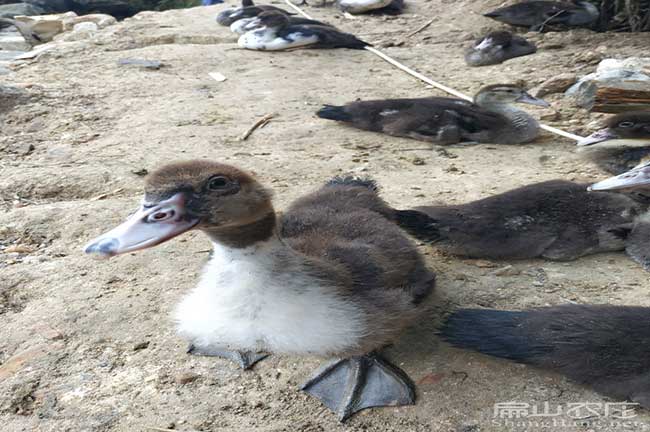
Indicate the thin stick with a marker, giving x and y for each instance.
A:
(420, 29)
(261, 122)
(431, 82)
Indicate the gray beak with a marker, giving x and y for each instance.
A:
(598, 136)
(635, 178)
(528, 99)
(147, 227)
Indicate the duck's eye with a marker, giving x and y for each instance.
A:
(218, 182)
(626, 124)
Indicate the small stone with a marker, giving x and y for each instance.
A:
(140, 346)
(484, 264)
(506, 271)
(141, 172)
(418, 161)
(186, 377)
(145, 64)
(556, 84)
(19, 249)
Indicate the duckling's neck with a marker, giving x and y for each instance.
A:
(522, 126)
(245, 236)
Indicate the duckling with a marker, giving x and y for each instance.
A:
(277, 33)
(245, 25)
(388, 7)
(602, 346)
(333, 276)
(497, 47)
(556, 220)
(490, 118)
(536, 14)
(247, 10)
(622, 145)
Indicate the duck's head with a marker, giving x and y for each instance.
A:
(271, 19)
(179, 197)
(492, 39)
(635, 179)
(505, 94)
(628, 128)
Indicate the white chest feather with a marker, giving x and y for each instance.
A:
(256, 299)
(266, 39)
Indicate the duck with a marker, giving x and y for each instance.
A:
(622, 145)
(248, 9)
(333, 276)
(535, 15)
(497, 47)
(387, 7)
(490, 118)
(245, 25)
(276, 33)
(555, 220)
(604, 347)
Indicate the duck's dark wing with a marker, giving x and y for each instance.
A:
(347, 225)
(395, 7)
(229, 16)
(555, 219)
(441, 120)
(530, 14)
(605, 347)
(328, 37)
(296, 20)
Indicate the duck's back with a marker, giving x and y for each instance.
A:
(348, 229)
(555, 219)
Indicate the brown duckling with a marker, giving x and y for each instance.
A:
(275, 32)
(622, 145)
(556, 220)
(491, 118)
(602, 346)
(537, 14)
(497, 47)
(333, 276)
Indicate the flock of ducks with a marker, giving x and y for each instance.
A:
(337, 275)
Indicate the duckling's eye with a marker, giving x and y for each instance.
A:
(218, 182)
(626, 124)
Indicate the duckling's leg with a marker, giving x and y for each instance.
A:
(350, 385)
(245, 359)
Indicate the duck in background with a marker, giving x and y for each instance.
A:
(601, 346)
(556, 220)
(245, 25)
(497, 47)
(387, 7)
(247, 10)
(276, 33)
(536, 15)
(490, 119)
(334, 276)
(622, 145)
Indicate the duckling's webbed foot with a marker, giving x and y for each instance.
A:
(350, 385)
(245, 359)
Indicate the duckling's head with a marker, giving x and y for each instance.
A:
(499, 94)
(495, 38)
(273, 19)
(178, 197)
(627, 128)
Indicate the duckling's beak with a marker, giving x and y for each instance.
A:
(147, 227)
(636, 177)
(598, 136)
(532, 100)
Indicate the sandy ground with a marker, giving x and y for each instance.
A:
(89, 346)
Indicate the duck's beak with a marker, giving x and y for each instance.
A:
(598, 136)
(532, 100)
(636, 177)
(147, 227)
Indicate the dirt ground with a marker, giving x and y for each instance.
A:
(90, 346)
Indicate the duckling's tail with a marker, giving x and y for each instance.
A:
(419, 225)
(605, 346)
(332, 112)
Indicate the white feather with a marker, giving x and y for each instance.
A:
(261, 299)
(265, 39)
